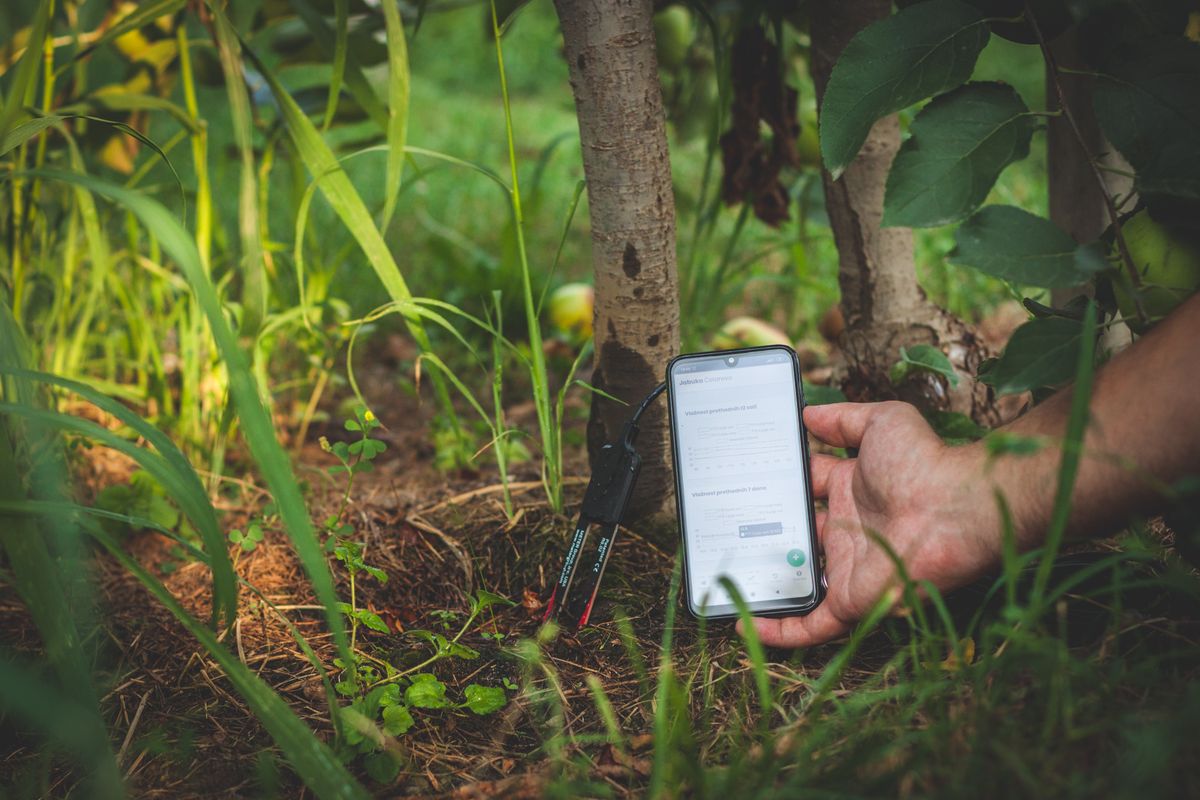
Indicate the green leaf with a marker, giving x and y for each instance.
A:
(485, 599)
(372, 621)
(923, 50)
(398, 90)
(326, 38)
(254, 281)
(26, 70)
(923, 358)
(1006, 443)
(147, 12)
(26, 131)
(461, 650)
(1042, 352)
(1012, 244)
(390, 696)
(1147, 102)
(426, 691)
(397, 719)
(485, 699)
(960, 143)
(954, 426)
(815, 395)
(382, 766)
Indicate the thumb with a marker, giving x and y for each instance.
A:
(817, 628)
(840, 424)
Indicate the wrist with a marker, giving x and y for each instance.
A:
(961, 521)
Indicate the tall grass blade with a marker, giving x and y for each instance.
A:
(346, 201)
(74, 727)
(146, 12)
(45, 562)
(1072, 448)
(398, 91)
(355, 80)
(311, 758)
(22, 133)
(25, 75)
(254, 280)
(758, 656)
(341, 17)
(170, 467)
(255, 421)
(551, 464)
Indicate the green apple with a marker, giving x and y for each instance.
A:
(748, 332)
(673, 36)
(1167, 263)
(571, 306)
(808, 144)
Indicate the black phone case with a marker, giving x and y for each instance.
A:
(818, 572)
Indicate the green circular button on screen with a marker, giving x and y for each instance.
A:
(795, 557)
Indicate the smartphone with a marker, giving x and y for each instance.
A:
(742, 481)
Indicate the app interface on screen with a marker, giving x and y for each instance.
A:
(745, 507)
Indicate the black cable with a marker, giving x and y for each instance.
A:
(631, 427)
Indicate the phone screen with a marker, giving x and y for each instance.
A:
(742, 477)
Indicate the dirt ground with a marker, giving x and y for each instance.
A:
(180, 730)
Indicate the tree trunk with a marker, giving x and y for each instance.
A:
(1076, 197)
(609, 47)
(884, 307)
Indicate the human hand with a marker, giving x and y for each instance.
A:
(931, 503)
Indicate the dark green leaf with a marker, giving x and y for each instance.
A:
(382, 766)
(815, 395)
(1009, 243)
(1148, 104)
(921, 51)
(923, 358)
(485, 699)
(960, 143)
(1042, 352)
(955, 427)
(426, 691)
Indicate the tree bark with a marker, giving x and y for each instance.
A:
(883, 305)
(1076, 197)
(609, 47)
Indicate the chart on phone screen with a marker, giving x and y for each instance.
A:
(742, 479)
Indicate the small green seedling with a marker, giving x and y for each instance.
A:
(385, 709)
(250, 539)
